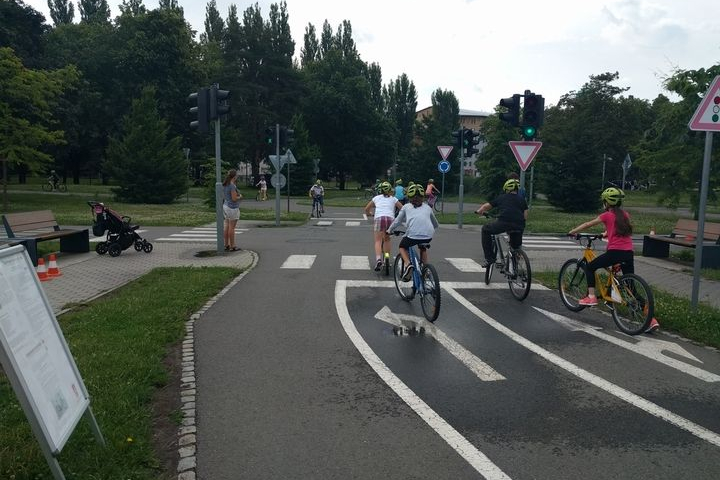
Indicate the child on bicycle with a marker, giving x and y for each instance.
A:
(263, 188)
(431, 192)
(54, 179)
(618, 231)
(317, 193)
(513, 214)
(383, 207)
(420, 227)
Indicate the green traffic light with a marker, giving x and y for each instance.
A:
(529, 131)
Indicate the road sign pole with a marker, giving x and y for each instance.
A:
(218, 191)
(461, 188)
(442, 194)
(699, 237)
(277, 171)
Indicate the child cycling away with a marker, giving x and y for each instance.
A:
(383, 206)
(431, 192)
(513, 214)
(618, 231)
(420, 227)
(317, 193)
(54, 179)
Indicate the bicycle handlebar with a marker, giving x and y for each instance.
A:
(590, 236)
(397, 233)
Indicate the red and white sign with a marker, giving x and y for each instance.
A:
(525, 152)
(707, 116)
(444, 151)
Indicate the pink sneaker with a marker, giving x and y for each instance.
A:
(654, 325)
(588, 301)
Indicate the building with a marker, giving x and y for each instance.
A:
(471, 119)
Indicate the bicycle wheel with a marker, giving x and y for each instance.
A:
(437, 206)
(634, 313)
(47, 187)
(430, 295)
(406, 290)
(572, 284)
(62, 187)
(519, 275)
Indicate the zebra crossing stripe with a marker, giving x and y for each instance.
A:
(350, 262)
(299, 261)
(465, 264)
(323, 223)
(352, 224)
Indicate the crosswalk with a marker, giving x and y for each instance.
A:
(197, 235)
(363, 262)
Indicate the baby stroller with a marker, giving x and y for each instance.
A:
(120, 234)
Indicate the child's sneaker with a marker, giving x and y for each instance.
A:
(407, 274)
(378, 265)
(654, 325)
(588, 301)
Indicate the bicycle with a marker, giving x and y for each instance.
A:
(628, 296)
(50, 186)
(425, 282)
(434, 204)
(512, 262)
(317, 209)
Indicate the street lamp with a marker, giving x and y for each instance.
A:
(605, 157)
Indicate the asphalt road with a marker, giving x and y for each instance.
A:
(299, 375)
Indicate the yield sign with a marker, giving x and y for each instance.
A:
(525, 152)
(444, 151)
(707, 116)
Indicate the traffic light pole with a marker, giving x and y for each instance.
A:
(218, 191)
(277, 174)
(461, 189)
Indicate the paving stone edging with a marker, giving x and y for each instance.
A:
(187, 433)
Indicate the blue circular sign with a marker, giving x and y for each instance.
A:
(444, 166)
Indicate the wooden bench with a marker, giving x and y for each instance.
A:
(29, 228)
(684, 234)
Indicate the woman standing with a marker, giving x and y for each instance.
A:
(231, 209)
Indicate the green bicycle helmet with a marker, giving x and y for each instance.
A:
(385, 187)
(415, 190)
(318, 182)
(398, 182)
(511, 185)
(612, 196)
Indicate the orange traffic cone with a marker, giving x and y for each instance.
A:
(42, 270)
(53, 270)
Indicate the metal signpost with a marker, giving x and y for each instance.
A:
(443, 167)
(705, 119)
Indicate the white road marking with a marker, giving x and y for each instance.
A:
(299, 261)
(481, 369)
(185, 239)
(465, 264)
(323, 223)
(460, 444)
(615, 390)
(649, 347)
(350, 262)
(352, 224)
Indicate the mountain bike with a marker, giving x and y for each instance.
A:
(512, 262)
(50, 186)
(628, 296)
(425, 281)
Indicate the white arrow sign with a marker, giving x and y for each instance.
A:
(481, 369)
(649, 347)
(525, 152)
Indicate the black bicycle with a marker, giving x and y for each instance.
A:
(512, 262)
(424, 281)
(317, 209)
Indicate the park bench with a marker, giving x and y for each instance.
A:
(684, 235)
(29, 228)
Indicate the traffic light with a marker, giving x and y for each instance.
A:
(512, 116)
(286, 137)
(458, 136)
(219, 105)
(533, 115)
(270, 137)
(200, 111)
(471, 138)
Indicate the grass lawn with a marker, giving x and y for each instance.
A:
(127, 348)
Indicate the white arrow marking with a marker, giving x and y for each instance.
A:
(481, 369)
(615, 390)
(648, 347)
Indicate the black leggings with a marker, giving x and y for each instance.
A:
(611, 257)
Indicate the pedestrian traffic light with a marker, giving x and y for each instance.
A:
(458, 142)
(512, 116)
(471, 138)
(270, 137)
(200, 111)
(533, 115)
(286, 137)
(219, 105)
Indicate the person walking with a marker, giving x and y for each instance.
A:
(231, 209)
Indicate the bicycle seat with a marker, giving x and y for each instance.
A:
(423, 246)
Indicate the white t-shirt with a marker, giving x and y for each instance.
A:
(384, 206)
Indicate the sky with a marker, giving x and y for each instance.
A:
(485, 50)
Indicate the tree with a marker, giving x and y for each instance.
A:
(400, 101)
(27, 126)
(496, 160)
(147, 165)
(22, 28)
(132, 7)
(62, 12)
(311, 49)
(94, 11)
(214, 24)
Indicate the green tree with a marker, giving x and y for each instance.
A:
(400, 101)
(22, 28)
(27, 126)
(496, 160)
(62, 12)
(96, 11)
(147, 165)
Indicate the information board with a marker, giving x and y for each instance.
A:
(34, 354)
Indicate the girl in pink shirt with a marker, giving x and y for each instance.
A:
(618, 231)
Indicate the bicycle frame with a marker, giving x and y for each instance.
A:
(607, 288)
(416, 262)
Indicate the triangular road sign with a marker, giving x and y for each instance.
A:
(525, 152)
(444, 151)
(707, 116)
